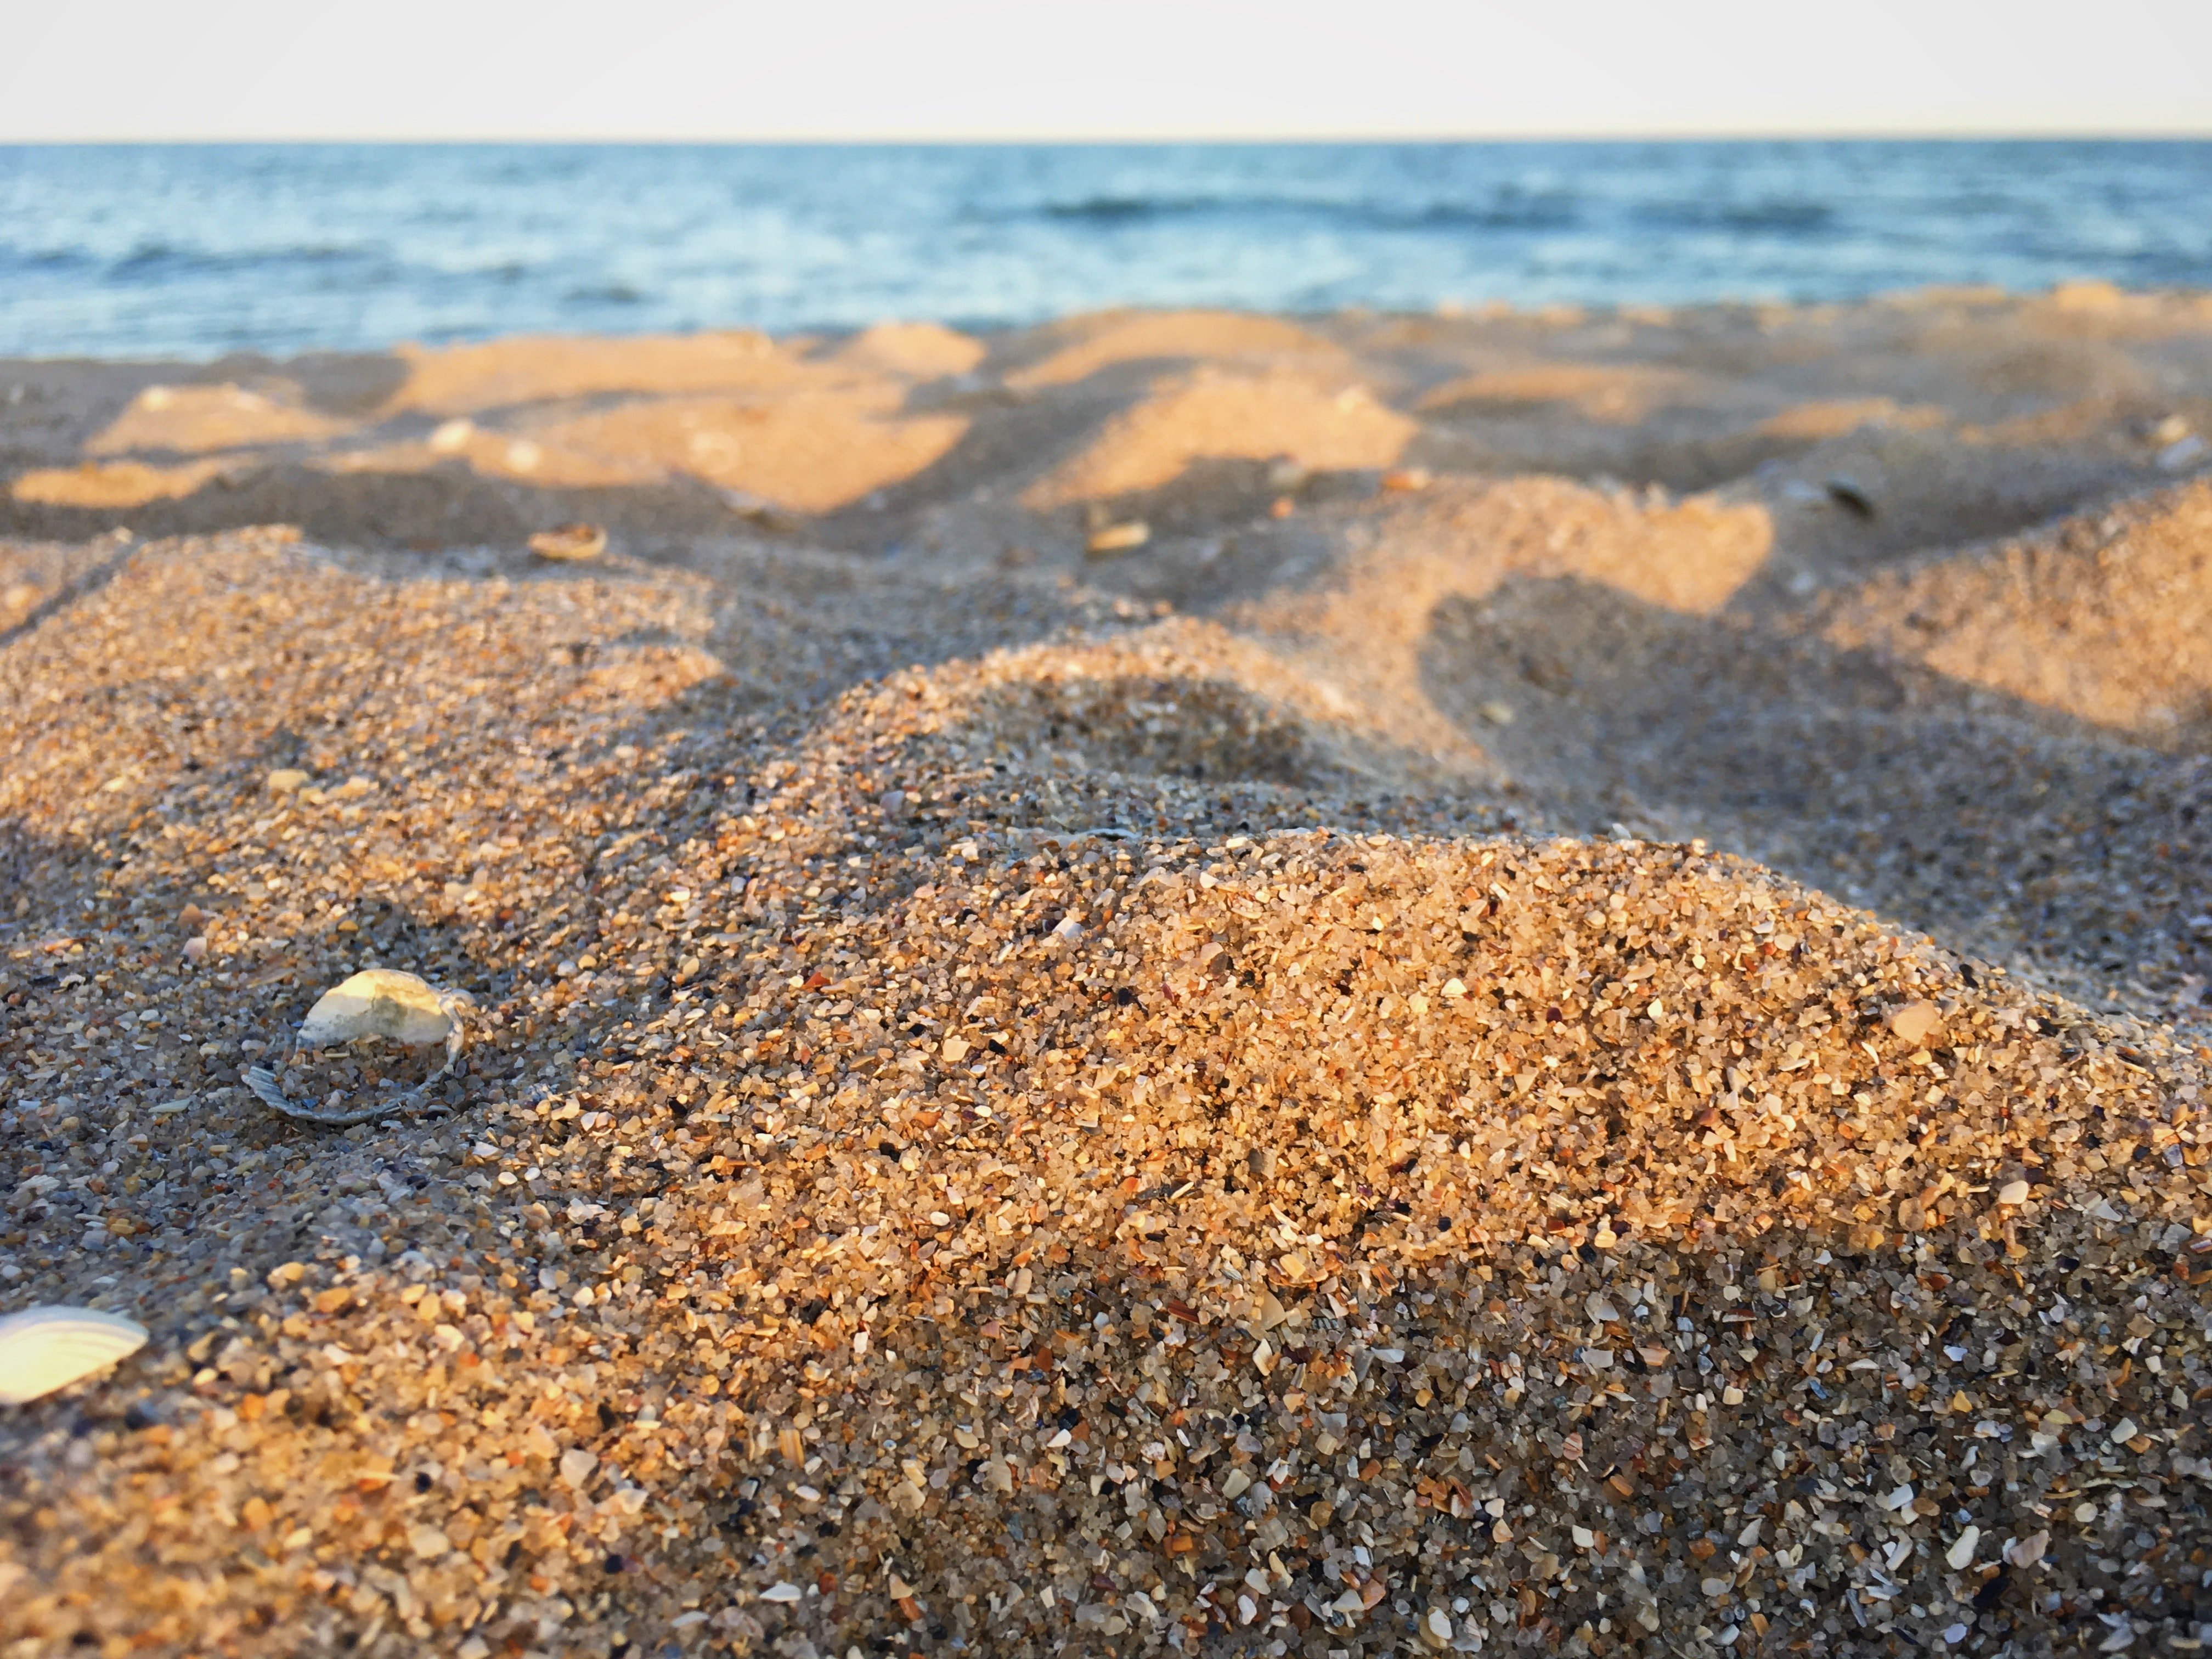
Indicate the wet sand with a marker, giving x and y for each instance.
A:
(1363, 984)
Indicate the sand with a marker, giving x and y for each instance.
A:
(1565, 1011)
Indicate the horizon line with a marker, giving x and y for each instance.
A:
(1101, 140)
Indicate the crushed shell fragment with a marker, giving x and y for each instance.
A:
(571, 543)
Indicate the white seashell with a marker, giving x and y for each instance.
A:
(42, 1349)
(378, 1002)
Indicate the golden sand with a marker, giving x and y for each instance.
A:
(1567, 1015)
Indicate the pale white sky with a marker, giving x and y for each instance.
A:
(1139, 68)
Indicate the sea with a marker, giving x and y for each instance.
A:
(196, 251)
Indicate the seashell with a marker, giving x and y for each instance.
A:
(571, 542)
(42, 1349)
(379, 1002)
(1118, 537)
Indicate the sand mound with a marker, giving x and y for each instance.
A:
(1082, 347)
(191, 420)
(1371, 593)
(814, 453)
(1216, 416)
(920, 351)
(34, 574)
(1000, 1118)
(1858, 501)
(2107, 619)
(1599, 392)
(462, 380)
(1297, 1235)
(1182, 700)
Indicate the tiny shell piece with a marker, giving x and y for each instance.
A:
(569, 544)
(42, 1349)
(1118, 537)
(377, 1002)
(1916, 1022)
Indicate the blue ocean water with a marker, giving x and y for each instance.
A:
(197, 250)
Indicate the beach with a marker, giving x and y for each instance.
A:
(1363, 983)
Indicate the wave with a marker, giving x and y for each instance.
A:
(163, 258)
(1782, 216)
(1532, 213)
(195, 250)
(39, 261)
(605, 293)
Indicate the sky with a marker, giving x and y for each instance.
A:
(1077, 68)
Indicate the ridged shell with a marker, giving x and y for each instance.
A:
(42, 1349)
(379, 1002)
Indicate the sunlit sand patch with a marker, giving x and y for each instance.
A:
(1218, 415)
(812, 452)
(1615, 394)
(918, 351)
(495, 455)
(1834, 417)
(197, 420)
(1097, 343)
(1690, 556)
(2107, 618)
(112, 483)
(462, 380)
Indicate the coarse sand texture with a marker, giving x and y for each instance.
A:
(1563, 1013)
